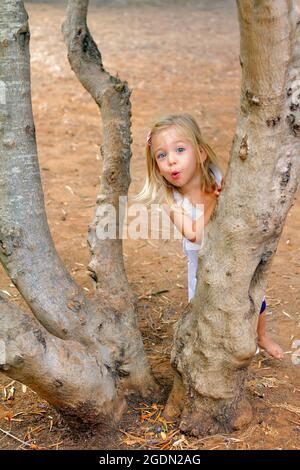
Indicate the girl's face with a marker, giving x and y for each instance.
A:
(176, 157)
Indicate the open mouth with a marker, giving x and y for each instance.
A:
(175, 173)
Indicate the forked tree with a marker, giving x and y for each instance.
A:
(81, 354)
(84, 355)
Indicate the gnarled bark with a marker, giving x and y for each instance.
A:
(112, 96)
(107, 264)
(216, 337)
(105, 326)
(62, 372)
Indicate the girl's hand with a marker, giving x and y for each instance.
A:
(219, 188)
(183, 222)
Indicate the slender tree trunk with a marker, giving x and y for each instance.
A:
(216, 337)
(109, 347)
(112, 97)
(106, 267)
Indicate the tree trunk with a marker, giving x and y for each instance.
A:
(215, 339)
(63, 372)
(97, 337)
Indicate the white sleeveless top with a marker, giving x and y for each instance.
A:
(192, 210)
(192, 249)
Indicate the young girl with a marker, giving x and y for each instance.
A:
(182, 171)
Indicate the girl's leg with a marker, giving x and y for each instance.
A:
(192, 271)
(264, 341)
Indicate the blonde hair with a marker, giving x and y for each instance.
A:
(156, 187)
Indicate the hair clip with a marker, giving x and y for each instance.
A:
(149, 138)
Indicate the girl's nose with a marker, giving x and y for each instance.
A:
(171, 158)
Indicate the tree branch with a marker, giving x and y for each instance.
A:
(107, 264)
(27, 251)
(112, 96)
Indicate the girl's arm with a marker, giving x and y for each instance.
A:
(190, 229)
(183, 222)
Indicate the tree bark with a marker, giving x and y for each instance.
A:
(63, 372)
(106, 267)
(104, 326)
(113, 99)
(215, 339)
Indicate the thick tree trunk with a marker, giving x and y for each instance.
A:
(216, 337)
(104, 326)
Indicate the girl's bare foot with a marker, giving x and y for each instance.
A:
(270, 347)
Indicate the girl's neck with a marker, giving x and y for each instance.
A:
(193, 191)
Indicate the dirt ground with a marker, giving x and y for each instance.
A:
(176, 56)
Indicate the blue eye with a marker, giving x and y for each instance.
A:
(161, 155)
(180, 149)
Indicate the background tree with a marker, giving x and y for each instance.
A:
(216, 337)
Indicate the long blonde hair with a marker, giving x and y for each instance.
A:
(156, 187)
